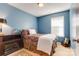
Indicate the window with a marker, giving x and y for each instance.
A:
(57, 25)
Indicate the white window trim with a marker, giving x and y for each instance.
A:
(62, 26)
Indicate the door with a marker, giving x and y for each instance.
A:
(74, 28)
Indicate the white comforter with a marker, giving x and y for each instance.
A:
(45, 43)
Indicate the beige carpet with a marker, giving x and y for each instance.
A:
(63, 51)
(60, 51)
(77, 49)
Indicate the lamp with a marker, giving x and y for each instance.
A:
(2, 21)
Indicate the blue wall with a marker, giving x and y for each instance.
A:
(19, 19)
(44, 23)
(16, 18)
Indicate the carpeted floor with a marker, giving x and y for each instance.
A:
(77, 49)
(63, 51)
(60, 51)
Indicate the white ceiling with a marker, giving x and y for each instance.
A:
(48, 8)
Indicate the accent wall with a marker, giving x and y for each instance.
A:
(44, 23)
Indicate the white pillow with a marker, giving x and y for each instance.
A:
(32, 31)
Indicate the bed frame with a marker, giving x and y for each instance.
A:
(30, 43)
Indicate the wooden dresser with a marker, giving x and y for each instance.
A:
(10, 43)
(1, 44)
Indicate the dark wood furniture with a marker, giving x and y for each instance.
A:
(10, 43)
(30, 43)
(1, 46)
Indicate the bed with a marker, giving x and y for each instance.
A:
(43, 44)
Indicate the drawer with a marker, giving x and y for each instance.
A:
(1, 39)
(1, 49)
